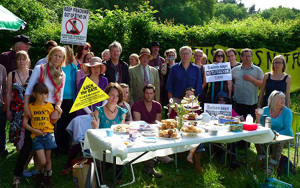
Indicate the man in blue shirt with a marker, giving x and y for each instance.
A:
(183, 75)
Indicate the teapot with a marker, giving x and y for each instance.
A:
(206, 117)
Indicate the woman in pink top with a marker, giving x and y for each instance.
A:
(84, 71)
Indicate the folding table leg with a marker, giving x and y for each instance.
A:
(226, 154)
(133, 177)
(268, 145)
(289, 160)
(114, 172)
(209, 148)
(176, 164)
(97, 174)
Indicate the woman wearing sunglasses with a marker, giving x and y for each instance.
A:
(81, 51)
(215, 87)
(277, 79)
(281, 119)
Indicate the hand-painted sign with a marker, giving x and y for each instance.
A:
(74, 26)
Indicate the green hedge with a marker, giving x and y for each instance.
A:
(137, 29)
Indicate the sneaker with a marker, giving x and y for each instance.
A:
(165, 159)
(34, 172)
(27, 174)
(4, 153)
(151, 172)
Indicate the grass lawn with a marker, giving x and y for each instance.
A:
(216, 174)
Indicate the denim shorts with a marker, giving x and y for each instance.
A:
(46, 142)
(200, 148)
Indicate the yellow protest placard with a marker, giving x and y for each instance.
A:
(88, 95)
(263, 57)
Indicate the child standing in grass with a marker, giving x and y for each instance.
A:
(42, 132)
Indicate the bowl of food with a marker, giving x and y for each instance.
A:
(223, 119)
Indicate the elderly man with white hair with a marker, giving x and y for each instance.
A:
(183, 75)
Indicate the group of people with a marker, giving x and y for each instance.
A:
(137, 91)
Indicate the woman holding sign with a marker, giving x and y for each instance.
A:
(277, 79)
(97, 69)
(215, 87)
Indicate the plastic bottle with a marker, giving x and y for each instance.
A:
(272, 182)
(249, 119)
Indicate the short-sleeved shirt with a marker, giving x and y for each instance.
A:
(179, 79)
(146, 116)
(40, 117)
(107, 123)
(245, 92)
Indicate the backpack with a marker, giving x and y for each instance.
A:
(283, 166)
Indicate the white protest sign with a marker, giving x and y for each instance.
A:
(218, 72)
(218, 109)
(74, 26)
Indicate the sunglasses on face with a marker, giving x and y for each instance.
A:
(86, 48)
(221, 100)
(277, 63)
(219, 55)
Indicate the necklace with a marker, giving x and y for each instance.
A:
(20, 77)
(113, 112)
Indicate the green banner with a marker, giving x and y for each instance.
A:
(263, 57)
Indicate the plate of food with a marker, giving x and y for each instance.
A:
(192, 116)
(192, 107)
(191, 130)
(148, 133)
(120, 128)
(169, 134)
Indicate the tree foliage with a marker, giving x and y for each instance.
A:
(136, 29)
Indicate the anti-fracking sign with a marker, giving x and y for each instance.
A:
(88, 95)
(74, 26)
(217, 72)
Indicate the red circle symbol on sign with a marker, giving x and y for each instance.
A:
(74, 26)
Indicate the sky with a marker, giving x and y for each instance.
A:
(265, 4)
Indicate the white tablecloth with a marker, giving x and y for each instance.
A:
(97, 142)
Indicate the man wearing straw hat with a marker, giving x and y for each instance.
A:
(142, 75)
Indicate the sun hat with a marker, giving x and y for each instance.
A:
(145, 51)
(96, 61)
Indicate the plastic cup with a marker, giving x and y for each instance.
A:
(109, 132)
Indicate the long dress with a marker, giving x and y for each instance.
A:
(16, 129)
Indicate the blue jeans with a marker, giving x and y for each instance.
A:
(46, 142)
(2, 130)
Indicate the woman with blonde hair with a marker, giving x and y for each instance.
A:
(281, 118)
(53, 77)
(133, 60)
(17, 82)
(70, 69)
(277, 79)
